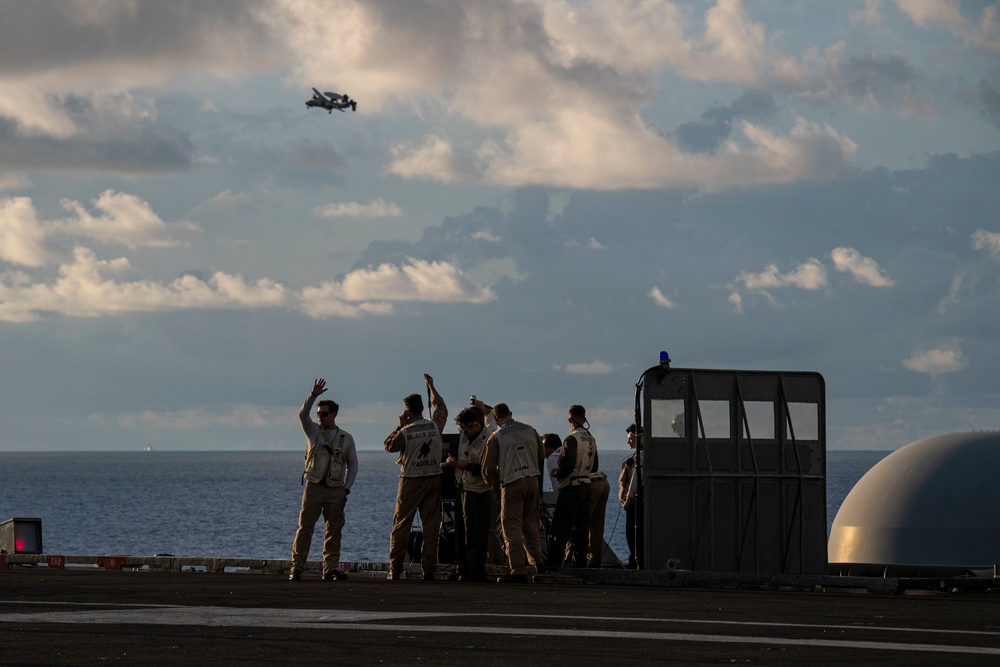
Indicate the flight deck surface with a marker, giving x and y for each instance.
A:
(82, 617)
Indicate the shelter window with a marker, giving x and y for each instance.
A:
(667, 417)
(715, 416)
(804, 421)
(760, 419)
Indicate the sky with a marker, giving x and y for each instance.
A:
(532, 200)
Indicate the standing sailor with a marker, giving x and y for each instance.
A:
(513, 460)
(474, 498)
(627, 489)
(421, 452)
(330, 469)
(571, 523)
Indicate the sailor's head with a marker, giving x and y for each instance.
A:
(470, 422)
(577, 416)
(414, 404)
(501, 413)
(326, 411)
(631, 431)
(678, 425)
(550, 441)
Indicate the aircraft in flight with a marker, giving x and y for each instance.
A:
(331, 101)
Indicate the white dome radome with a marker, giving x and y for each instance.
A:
(933, 502)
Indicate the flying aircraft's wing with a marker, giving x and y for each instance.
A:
(318, 94)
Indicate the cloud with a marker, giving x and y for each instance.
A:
(223, 200)
(13, 181)
(89, 287)
(953, 292)
(22, 236)
(237, 416)
(122, 219)
(935, 362)
(983, 34)
(587, 69)
(125, 220)
(417, 280)
(577, 149)
(486, 236)
(868, 80)
(660, 300)
(989, 96)
(715, 124)
(433, 159)
(811, 275)
(736, 301)
(68, 72)
(109, 132)
(377, 208)
(986, 240)
(595, 367)
(864, 269)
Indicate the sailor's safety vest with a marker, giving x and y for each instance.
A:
(326, 457)
(517, 455)
(586, 450)
(423, 452)
(472, 453)
(626, 482)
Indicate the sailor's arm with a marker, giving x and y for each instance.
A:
(489, 463)
(567, 461)
(439, 411)
(396, 441)
(308, 425)
(352, 463)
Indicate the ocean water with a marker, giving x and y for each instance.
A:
(240, 504)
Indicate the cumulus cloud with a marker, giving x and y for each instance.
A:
(22, 235)
(936, 361)
(736, 301)
(810, 275)
(587, 69)
(377, 208)
(983, 33)
(101, 131)
(986, 240)
(69, 72)
(595, 367)
(121, 219)
(577, 149)
(417, 280)
(864, 269)
(487, 236)
(715, 125)
(89, 287)
(433, 158)
(124, 219)
(660, 300)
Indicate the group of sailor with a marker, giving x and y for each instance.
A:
(500, 463)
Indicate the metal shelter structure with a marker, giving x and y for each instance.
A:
(732, 470)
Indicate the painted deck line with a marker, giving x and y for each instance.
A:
(367, 622)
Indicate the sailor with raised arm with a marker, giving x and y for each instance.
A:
(330, 468)
(421, 451)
